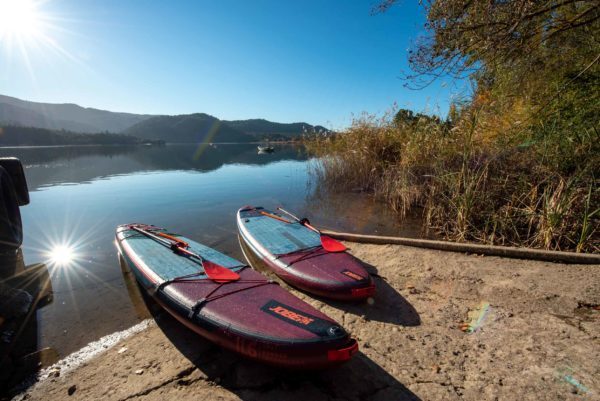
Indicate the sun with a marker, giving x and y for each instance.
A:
(61, 255)
(19, 19)
(30, 31)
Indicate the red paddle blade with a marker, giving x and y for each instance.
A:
(331, 245)
(218, 273)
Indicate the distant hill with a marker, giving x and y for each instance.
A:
(180, 128)
(203, 127)
(64, 116)
(29, 136)
(260, 127)
(198, 127)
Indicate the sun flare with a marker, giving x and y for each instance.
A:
(61, 255)
(31, 30)
(19, 18)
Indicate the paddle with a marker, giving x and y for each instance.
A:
(215, 272)
(274, 217)
(328, 243)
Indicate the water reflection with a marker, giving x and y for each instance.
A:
(145, 307)
(47, 166)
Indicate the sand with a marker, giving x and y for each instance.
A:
(443, 326)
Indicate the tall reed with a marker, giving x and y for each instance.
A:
(468, 187)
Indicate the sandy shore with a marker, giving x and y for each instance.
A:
(443, 326)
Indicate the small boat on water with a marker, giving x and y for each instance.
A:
(265, 149)
(230, 303)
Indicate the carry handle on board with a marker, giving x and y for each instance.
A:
(328, 243)
(215, 272)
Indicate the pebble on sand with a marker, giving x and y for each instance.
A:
(72, 389)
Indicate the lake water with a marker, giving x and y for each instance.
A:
(80, 194)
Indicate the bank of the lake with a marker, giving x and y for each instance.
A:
(442, 326)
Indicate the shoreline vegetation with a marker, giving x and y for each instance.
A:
(533, 190)
(17, 136)
(516, 162)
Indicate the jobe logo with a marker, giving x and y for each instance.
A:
(296, 317)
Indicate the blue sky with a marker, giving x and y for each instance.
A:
(314, 61)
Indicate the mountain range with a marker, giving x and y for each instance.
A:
(67, 116)
(179, 128)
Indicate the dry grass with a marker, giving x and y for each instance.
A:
(470, 187)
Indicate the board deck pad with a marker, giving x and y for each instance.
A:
(278, 237)
(169, 265)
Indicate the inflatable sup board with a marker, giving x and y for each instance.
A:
(229, 303)
(294, 253)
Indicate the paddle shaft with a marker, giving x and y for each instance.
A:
(274, 217)
(298, 220)
(181, 243)
(172, 245)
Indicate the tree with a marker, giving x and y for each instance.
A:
(465, 36)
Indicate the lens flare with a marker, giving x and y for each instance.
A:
(61, 255)
(567, 374)
(477, 317)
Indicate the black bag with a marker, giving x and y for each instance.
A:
(14, 168)
(13, 193)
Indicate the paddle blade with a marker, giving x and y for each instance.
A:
(331, 245)
(218, 273)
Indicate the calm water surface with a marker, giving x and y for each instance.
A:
(80, 194)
